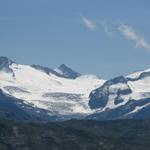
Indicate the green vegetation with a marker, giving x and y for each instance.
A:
(75, 135)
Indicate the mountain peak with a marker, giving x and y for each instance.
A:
(5, 62)
(67, 72)
(46, 70)
(4, 59)
(63, 66)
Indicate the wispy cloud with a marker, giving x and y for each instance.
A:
(88, 23)
(129, 33)
(112, 28)
(108, 27)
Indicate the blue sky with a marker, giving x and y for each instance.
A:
(102, 37)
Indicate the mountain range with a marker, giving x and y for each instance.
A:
(38, 93)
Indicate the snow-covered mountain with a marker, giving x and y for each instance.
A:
(60, 92)
(33, 92)
(122, 97)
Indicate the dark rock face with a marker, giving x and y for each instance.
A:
(69, 96)
(125, 111)
(141, 76)
(120, 79)
(124, 91)
(99, 97)
(5, 63)
(67, 72)
(8, 108)
(12, 89)
(15, 109)
(118, 88)
(46, 70)
(118, 100)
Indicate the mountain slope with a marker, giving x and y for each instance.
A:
(14, 109)
(123, 97)
(43, 88)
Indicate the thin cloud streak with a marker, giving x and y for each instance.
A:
(130, 34)
(88, 23)
(112, 28)
(108, 28)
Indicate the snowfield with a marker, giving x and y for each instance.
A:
(64, 92)
(49, 91)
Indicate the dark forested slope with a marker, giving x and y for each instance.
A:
(75, 135)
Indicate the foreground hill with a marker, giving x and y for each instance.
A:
(76, 135)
